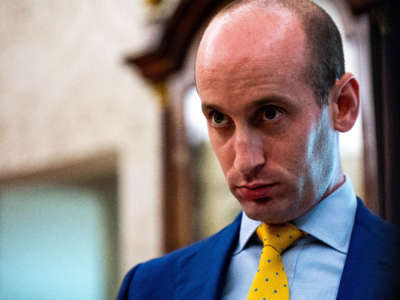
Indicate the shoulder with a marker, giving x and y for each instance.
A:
(374, 239)
(373, 258)
(373, 227)
(138, 282)
(167, 268)
(164, 263)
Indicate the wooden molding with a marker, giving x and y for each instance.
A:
(168, 56)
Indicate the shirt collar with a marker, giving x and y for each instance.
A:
(330, 221)
(247, 228)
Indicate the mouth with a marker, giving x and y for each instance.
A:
(258, 193)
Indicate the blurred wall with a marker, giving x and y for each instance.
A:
(65, 97)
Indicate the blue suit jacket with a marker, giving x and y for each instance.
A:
(198, 271)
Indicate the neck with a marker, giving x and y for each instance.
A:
(338, 180)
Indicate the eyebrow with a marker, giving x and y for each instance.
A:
(258, 103)
(205, 107)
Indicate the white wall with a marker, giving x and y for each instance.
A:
(65, 95)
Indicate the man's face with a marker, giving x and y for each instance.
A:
(275, 144)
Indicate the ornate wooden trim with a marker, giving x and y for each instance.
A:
(179, 31)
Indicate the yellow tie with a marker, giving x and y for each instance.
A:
(270, 281)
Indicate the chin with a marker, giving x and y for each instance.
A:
(266, 215)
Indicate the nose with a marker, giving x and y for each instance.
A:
(249, 153)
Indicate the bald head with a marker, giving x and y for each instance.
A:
(238, 38)
(323, 53)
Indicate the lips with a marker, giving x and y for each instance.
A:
(256, 192)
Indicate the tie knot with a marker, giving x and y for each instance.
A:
(278, 237)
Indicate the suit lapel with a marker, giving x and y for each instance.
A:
(367, 270)
(201, 274)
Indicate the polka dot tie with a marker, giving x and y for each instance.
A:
(270, 282)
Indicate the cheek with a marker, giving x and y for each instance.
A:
(300, 152)
(225, 157)
(320, 152)
(324, 138)
(222, 151)
(295, 147)
(325, 152)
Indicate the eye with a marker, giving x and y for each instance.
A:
(270, 112)
(218, 119)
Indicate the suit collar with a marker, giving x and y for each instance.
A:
(201, 274)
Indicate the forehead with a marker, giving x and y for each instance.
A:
(251, 40)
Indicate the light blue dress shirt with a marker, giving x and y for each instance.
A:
(313, 264)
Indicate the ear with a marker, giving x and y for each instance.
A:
(345, 102)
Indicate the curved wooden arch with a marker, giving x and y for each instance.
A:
(179, 31)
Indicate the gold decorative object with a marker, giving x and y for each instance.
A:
(162, 93)
(154, 2)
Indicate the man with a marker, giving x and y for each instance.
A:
(275, 95)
